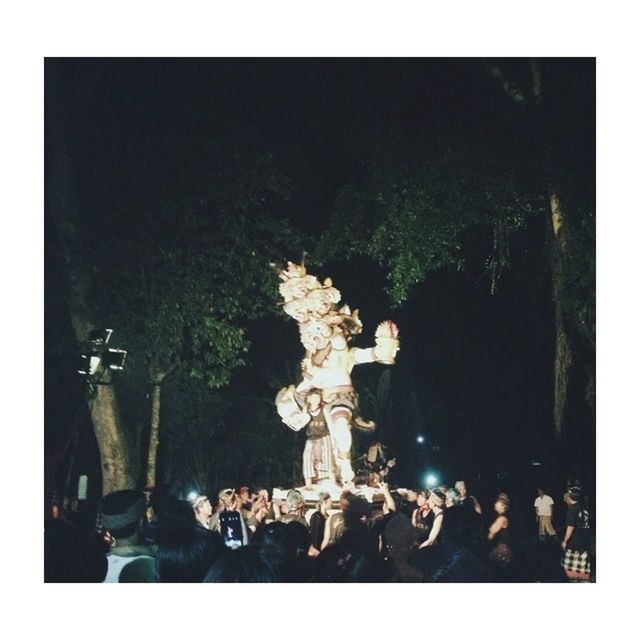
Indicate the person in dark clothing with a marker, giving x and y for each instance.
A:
(398, 541)
(228, 521)
(252, 563)
(436, 502)
(202, 510)
(358, 534)
(499, 536)
(454, 522)
(122, 516)
(390, 508)
(473, 530)
(577, 538)
(291, 541)
(71, 554)
(422, 517)
(341, 562)
(317, 523)
(187, 554)
(294, 508)
(334, 525)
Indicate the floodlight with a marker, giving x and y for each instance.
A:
(99, 359)
(88, 365)
(114, 359)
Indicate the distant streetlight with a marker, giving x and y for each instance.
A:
(420, 439)
(432, 480)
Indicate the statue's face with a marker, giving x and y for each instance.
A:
(314, 335)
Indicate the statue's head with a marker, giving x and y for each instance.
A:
(315, 334)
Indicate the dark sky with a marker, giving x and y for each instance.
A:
(479, 366)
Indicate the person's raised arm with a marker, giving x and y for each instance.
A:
(245, 531)
(433, 534)
(277, 511)
(362, 356)
(388, 498)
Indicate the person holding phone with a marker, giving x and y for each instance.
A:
(228, 521)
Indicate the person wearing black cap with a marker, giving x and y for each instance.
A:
(577, 538)
(122, 513)
(228, 520)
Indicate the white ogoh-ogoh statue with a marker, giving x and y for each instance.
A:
(325, 331)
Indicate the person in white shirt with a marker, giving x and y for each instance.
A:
(544, 515)
(122, 513)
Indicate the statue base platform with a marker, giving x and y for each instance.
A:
(373, 495)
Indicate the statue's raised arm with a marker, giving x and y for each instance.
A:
(325, 330)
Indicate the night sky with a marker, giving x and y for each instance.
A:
(478, 367)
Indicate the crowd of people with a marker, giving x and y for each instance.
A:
(441, 535)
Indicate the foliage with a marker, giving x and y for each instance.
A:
(411, 211)
(580, 294)
(181, 278)
(214, 438)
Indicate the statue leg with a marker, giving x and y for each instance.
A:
(307, 464)
(324, 460)
(339, 421)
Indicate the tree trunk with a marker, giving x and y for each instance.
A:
(118, 454)
(558, 242)
(154, 436)
(158, 376)
(119, 464)
(562, 361)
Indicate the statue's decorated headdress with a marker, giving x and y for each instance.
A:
(314, 306)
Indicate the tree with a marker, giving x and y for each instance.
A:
(177, 273)
(570, 237)
(183, 285)
(425, 202)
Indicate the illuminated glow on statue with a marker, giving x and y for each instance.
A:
(325, 330)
